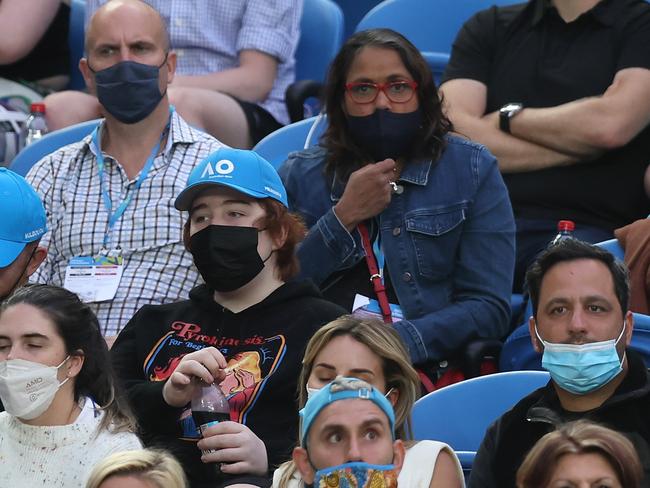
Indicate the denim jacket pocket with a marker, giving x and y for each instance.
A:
(435, 234)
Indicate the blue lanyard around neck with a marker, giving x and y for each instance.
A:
(113, 217)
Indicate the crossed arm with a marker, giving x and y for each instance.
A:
(570, 133)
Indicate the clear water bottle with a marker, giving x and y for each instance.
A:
(35, 126)
(209, 407)
(565, 230)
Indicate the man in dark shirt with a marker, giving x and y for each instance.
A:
(582, 324)
(559, 91)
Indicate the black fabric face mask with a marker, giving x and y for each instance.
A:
(226, 256)
(128, 90)
(385, 134)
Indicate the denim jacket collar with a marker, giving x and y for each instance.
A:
(415, 172)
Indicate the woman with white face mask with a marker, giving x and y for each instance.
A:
(62, 414)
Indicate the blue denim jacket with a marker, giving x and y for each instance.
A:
(448, 242)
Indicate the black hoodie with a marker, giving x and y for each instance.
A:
(268, 339)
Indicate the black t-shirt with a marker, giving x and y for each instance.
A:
(527, 53)
(50, 56)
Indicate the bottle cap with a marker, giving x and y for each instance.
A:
(37, 107)
(566, 225)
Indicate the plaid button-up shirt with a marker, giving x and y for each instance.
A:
(157, 268)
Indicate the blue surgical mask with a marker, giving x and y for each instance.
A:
(385, 134)
(581, 369)
(356, 474)
(129, 91)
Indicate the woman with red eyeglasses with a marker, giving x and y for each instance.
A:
(407, 221)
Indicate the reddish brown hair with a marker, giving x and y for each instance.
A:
(280, 223)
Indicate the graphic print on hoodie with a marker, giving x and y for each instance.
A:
(250, 362)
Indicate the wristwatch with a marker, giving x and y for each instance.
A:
(508, 111)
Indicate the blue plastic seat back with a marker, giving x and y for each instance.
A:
(613, 246)
(459, 414)
(466, 459)
(517, 352)
(353, 12)
(36, 151)
(275, 147)
(432, 25)
(76, 43)
(321, 35)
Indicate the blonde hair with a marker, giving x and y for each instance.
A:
(157, 467)
(580, 437)
(383, 341)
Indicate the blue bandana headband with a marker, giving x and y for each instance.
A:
(342, 389)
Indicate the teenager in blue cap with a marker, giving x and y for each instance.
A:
(22, 224)
(347, 437)
(246, 328)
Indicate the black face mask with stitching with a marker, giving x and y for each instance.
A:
(129, 91)
(226, 256)
(385, 134)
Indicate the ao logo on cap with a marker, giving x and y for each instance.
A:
(221, 167)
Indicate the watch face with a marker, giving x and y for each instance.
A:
(511, 107)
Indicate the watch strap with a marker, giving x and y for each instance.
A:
(504, 122)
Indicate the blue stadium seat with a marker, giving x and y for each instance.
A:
(518, 353)
(516, 307)
(321, 36)
(277, 145)
(460, 414)
(353, 12)
(613, 246)
(33, 153)
(76, 43)
(431, 25)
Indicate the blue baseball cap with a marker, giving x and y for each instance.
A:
(342, 389)
(23, 216)
(239, 169)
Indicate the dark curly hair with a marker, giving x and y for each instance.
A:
(343, 155)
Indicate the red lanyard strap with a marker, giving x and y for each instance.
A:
(375, 276)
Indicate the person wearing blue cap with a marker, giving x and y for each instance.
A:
(22, 225)
(246, 328)
(347, 437)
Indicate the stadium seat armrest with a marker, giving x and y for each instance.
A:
(296, 95)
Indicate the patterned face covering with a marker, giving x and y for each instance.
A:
(356, 475)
